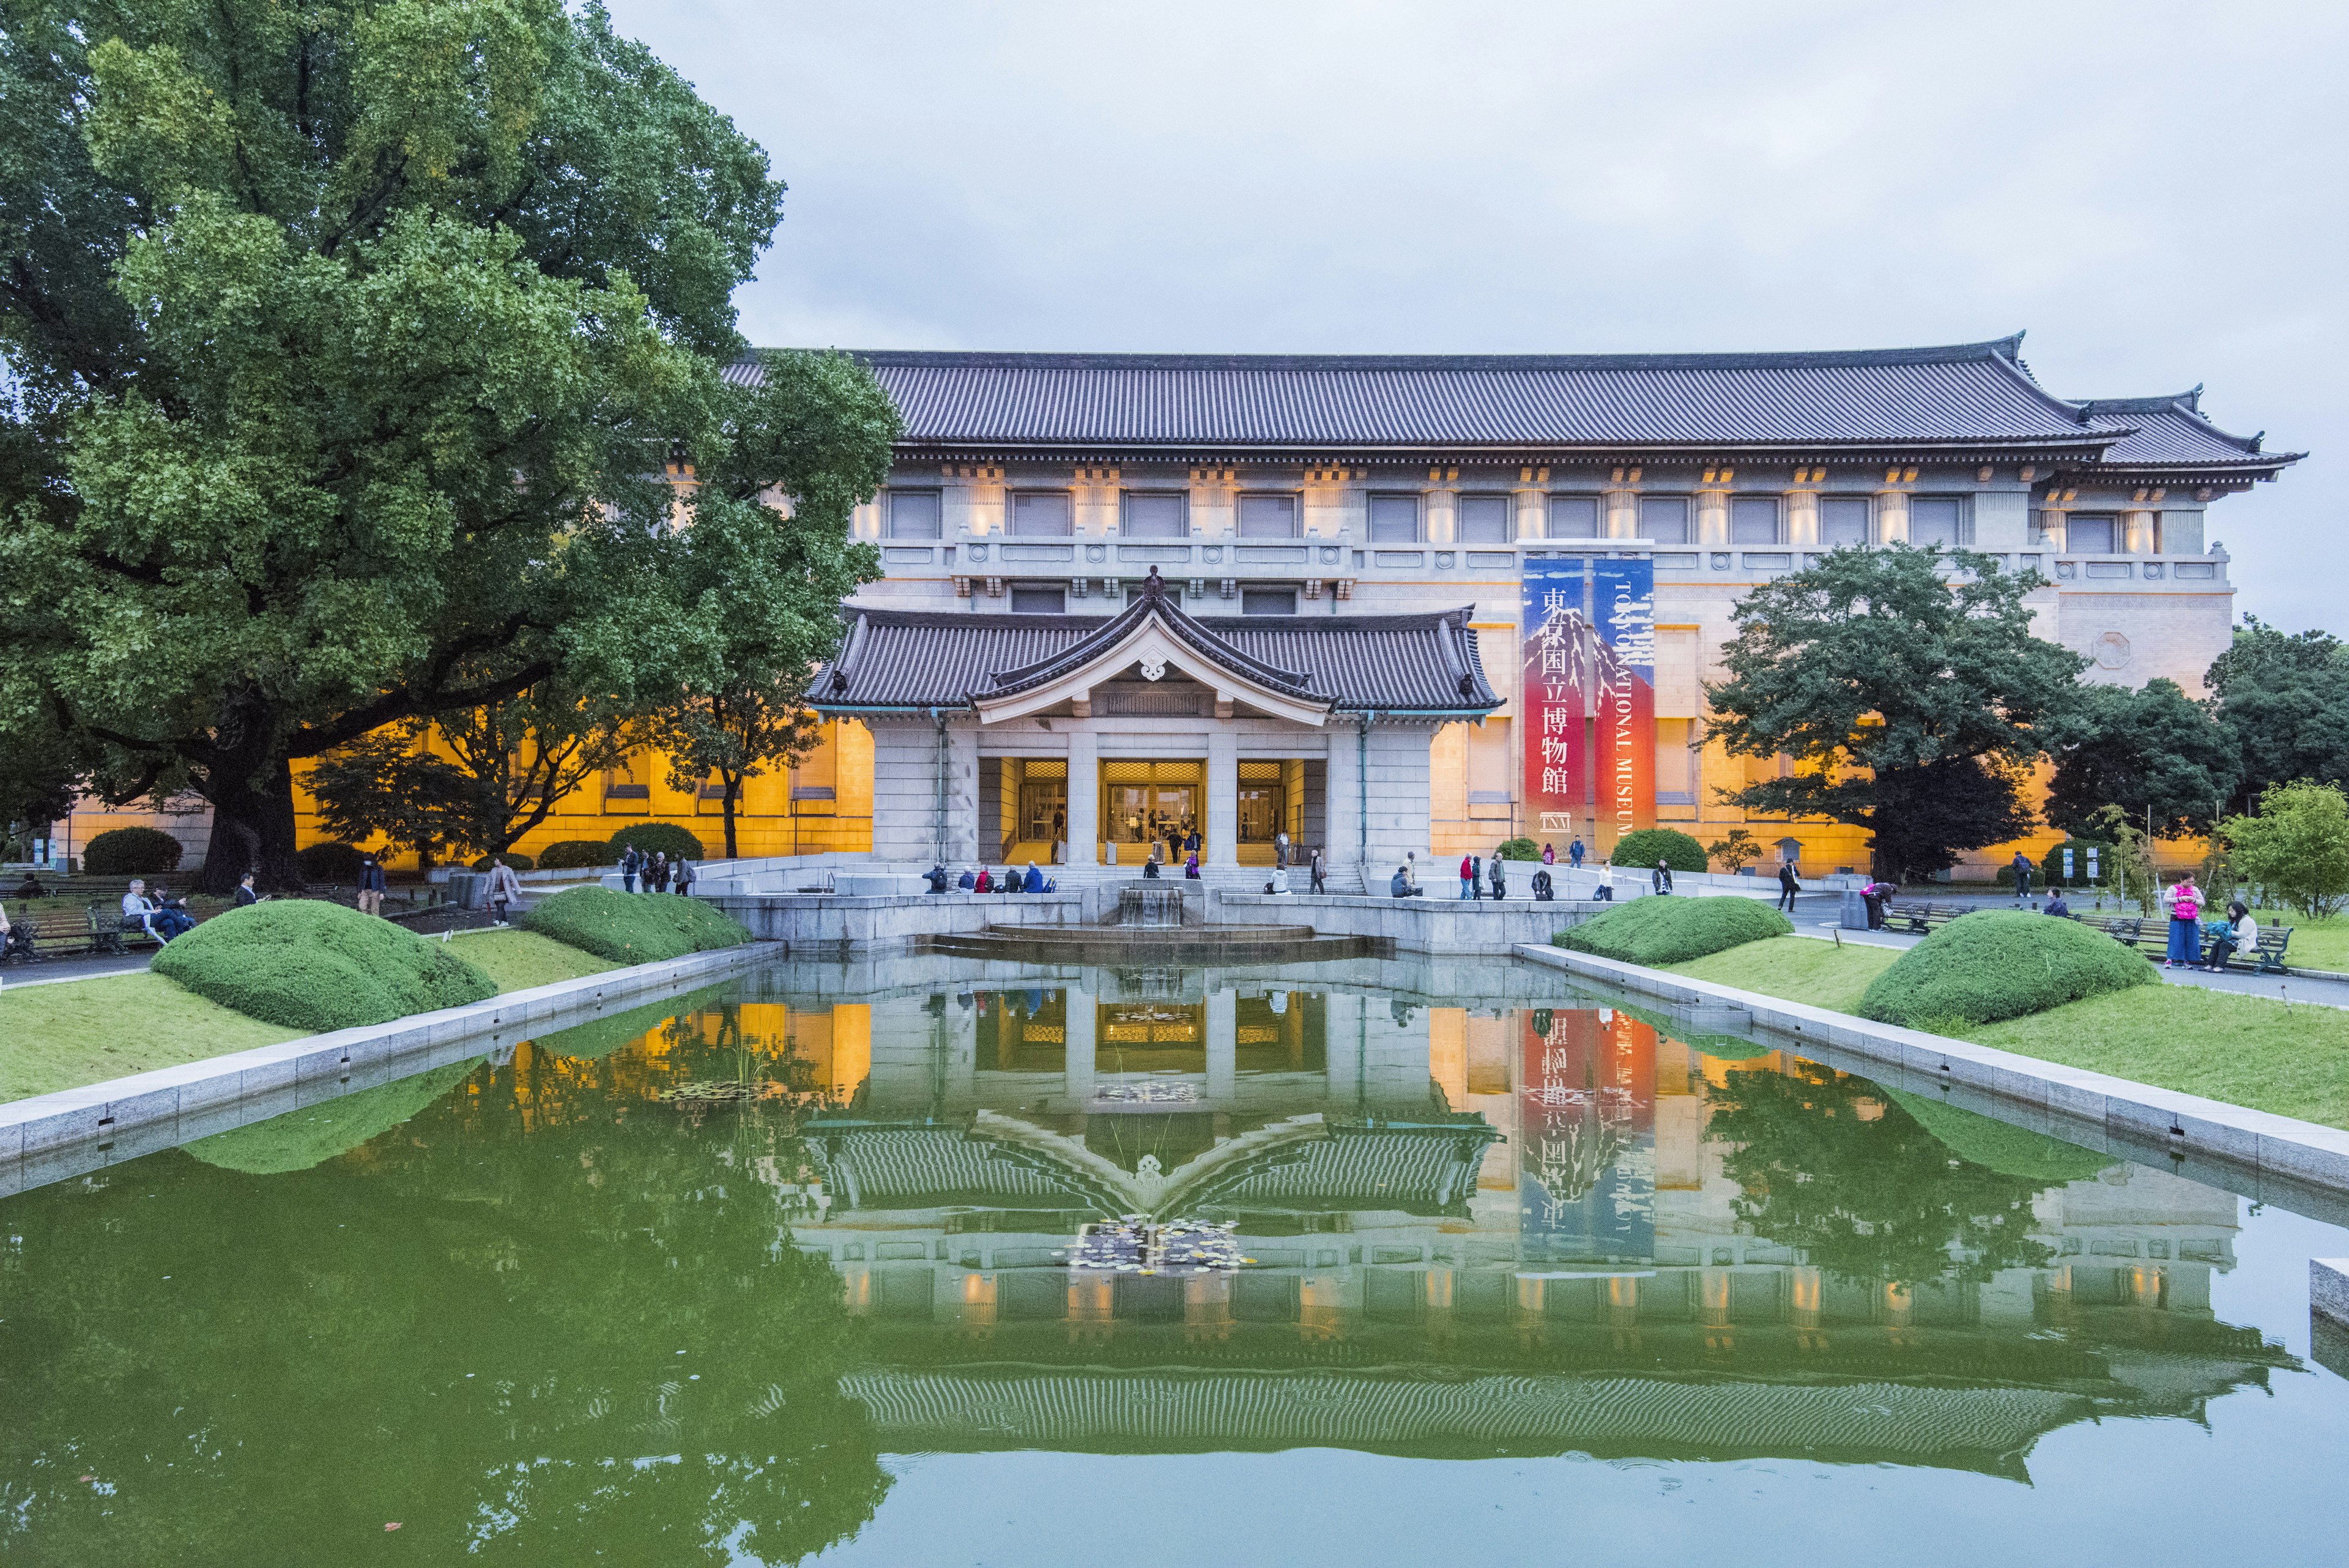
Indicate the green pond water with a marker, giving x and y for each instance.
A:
(780, 1274)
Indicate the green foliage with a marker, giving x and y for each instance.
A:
(1653, 932)
(2284, 701)
(2297, 850)
(1736, 851)
(1643, 848)
(2154, 749)
(2000, 1146)
(336, 864)
(577, 854)
(514, 862)
(307, 964)
(335, 341)
(1869, 1198)
(130, 851)
(632, 928)
(1995, 964)
(1914, 702)
(1518, 849)
(39, 779)
(314, 1133)
(654, 838)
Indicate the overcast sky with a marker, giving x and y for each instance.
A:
(2153, 190)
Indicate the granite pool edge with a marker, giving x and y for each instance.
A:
(128, 1113)
(2187, 1126)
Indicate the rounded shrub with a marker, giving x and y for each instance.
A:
(130, 851)
(1649, 845)
(336, 863)
(632, 928)
(315, 1134)
(307, 964)
(657, 838)
(577, 853)
(1993, 965)
(1996, 1146)
(1519, 849)
(514, 862)
(1655, 931)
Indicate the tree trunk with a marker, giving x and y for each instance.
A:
(733, 789)
(253, 830)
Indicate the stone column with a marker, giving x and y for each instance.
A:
(2055, 528)
(1342, 808)
(1622, 514)
(1222, 796)
(1085, 795)
(1892, 516)
(1532, 513)
(1713, 519)
(1439, 514)
(1803, 519)
(1077, 1066)
(2139, 527)
(1223, 1048)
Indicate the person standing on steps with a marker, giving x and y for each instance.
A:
(1787, 885)
(1574, 853)
(1280, 849)
(1320, 871)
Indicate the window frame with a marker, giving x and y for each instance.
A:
(1418, 516)
(2115, 533)
(1598, 503)
(1011, 529)
(1290, 498)
(1962, 525)
(1687, 519)
(1777, 521)
(1867, 504)
(1182, 499)
(1287, 590)
(1508, 516)
(1011, 592)
(936, 498)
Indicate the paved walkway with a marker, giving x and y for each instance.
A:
(2243, 982)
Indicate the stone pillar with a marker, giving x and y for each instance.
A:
(1803, 519)
(963, 804)
(1622, 514)
(1342, 808)
(1223, 1048)
(2140, 532)
(2055, 528)
(1713, 519)
(1440, 514)
(1222, 796)
(1077, 1066)
(1085, 797)
(1532, 513)
(1892, 516)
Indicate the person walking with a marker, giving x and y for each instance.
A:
(1280, 849)
(1500, 879)
(684, 876)
(1320, 872)
(1787, 885)
(1659, 881)
(2023, 869)
(657, 874)
(1574, 853)
(505, 890)
(2184, 904)
(1467, 878)
(630, 864)
(371, 886)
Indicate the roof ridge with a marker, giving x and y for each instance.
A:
(2004, 348)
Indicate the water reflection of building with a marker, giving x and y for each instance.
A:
(1472, 1230)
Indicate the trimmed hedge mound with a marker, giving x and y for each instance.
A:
(130, 851)
(656, 839)
(337, 864)
(1994, 964)
(1653, 932)
(632, 928)
(1996, 1146)
(315, 1134)
(307, 964)
(1669, 844)
(578, 855)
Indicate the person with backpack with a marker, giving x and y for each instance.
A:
(1574, 853)
(2023, 869)
(2185, 902)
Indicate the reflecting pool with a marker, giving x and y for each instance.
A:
(782, 1272)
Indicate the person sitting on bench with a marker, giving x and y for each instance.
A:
(2242, 937)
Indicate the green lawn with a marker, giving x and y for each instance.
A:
(2315, 944)
(2246, 1050)
(87, 1031)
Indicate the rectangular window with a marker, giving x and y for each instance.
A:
(1843, 522)
(2090, 534)
(1038, 598)
(1041, 513)
(1155, 514)
(1937, 520)
(913, 514)
(1267, 517)
(1664, 519)
(1574, 517)
(1268, 601)
(1486, 519)
(1753, 520)
(1675, 763)
(1395, 519)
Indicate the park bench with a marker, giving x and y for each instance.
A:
(2266, 958)
(1920, 918)
(54, 931)
(112, 932)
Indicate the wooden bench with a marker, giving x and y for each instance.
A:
(112, 931)
(2267, 956)
(54, 931)
(1920, 918)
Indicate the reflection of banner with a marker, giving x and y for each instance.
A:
(1586, 1120)
(1624, 599)
(1561, 651)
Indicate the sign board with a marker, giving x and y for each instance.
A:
(2067, 863)
(1589, 694)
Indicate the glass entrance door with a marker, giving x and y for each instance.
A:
(1142, 813)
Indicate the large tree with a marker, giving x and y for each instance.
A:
(2284, 700)
(764, 593)
(347, 346)
(1908, 686)
(2151, 751)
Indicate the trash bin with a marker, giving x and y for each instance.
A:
(1855, 910)
(466, 888)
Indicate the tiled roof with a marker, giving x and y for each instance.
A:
(926, 659)
(1967, 396)
(2171, 432)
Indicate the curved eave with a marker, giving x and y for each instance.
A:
(1593, 454)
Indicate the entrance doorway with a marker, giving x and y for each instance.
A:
(1153, 802)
